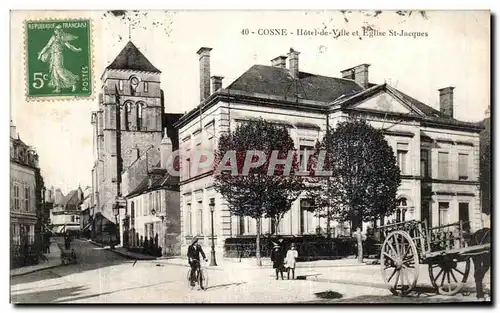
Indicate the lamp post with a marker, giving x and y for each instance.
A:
(213, 262)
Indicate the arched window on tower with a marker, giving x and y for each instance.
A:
(134, 82)
(140, 108)
(127, 118)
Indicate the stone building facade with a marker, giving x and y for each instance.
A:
(129, 120)
(437, 154)
(26, 186)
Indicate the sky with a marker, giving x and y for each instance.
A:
(455, 52)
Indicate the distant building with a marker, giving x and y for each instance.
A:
(123, 132)
(86, 209)
(26, 185)
(152, 199)
(65, 215)
(438, 155)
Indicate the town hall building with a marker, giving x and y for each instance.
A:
(438, 155)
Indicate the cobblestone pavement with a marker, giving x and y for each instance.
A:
(103, 276)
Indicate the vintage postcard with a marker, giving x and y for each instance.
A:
(324, 157)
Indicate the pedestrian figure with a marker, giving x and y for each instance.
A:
(277, 259)
(193, 254)
(67, 241)
(290, 260)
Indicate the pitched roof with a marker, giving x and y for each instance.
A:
(160, 179)
(130, 58)
(417, 108)
(71, 201)
(278, 81)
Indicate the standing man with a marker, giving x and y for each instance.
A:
(193, 255)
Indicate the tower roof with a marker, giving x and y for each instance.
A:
(130, 58)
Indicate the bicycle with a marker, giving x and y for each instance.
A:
(201, 276)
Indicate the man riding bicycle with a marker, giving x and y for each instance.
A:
(193, 255)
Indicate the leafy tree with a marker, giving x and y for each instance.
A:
(364, 176)
(256, 193)
(485, 165)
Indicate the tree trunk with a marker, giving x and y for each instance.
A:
(257, 243)
(277, 226)
(328, 220)
(360, 245)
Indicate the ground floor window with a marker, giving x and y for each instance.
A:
(463, 215)
(426, 214)
(443, 213)
(401, 209)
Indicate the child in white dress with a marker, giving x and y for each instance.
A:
(290, 260)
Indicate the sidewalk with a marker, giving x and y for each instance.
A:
(124, 252)
(251, 263)
(53, 260)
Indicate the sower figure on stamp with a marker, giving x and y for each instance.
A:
(52, 53)
(193, 254)
(291, 260)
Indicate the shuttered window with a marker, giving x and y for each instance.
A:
(443, 165)
(463, 162)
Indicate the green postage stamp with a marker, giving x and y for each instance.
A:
(58, 58)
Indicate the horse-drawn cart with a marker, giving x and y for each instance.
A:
(68, 256)
(447, 250)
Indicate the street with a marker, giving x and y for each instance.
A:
(103, 276)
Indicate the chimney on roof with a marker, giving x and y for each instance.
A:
(293, 63)
(279, 61)
(216, 83)
(165, 151)
(204, 54)
(446, 100)
(358, 73)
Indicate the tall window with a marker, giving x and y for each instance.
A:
(16, 197)
(463, 164)
(145, 86)
(139, 107)
(424, 163)
(151, 203)
(305, 206)
(401, 209)
(463, 215)
(200, 218)
(272, 226)
(27, 199)
(120, 84)
(305, 154)
(443, 165)
(443, 213)
(188, 167)
(132, 214)
(402, 152)
(72, 218)
(128, 111)
(241, 225)
(189, 220)
(426, 213)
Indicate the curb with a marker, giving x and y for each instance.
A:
(145, 258)
(37, 270)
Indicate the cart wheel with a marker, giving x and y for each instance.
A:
(449, 274)
(399, 263)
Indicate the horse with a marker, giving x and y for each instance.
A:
(481, 261)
